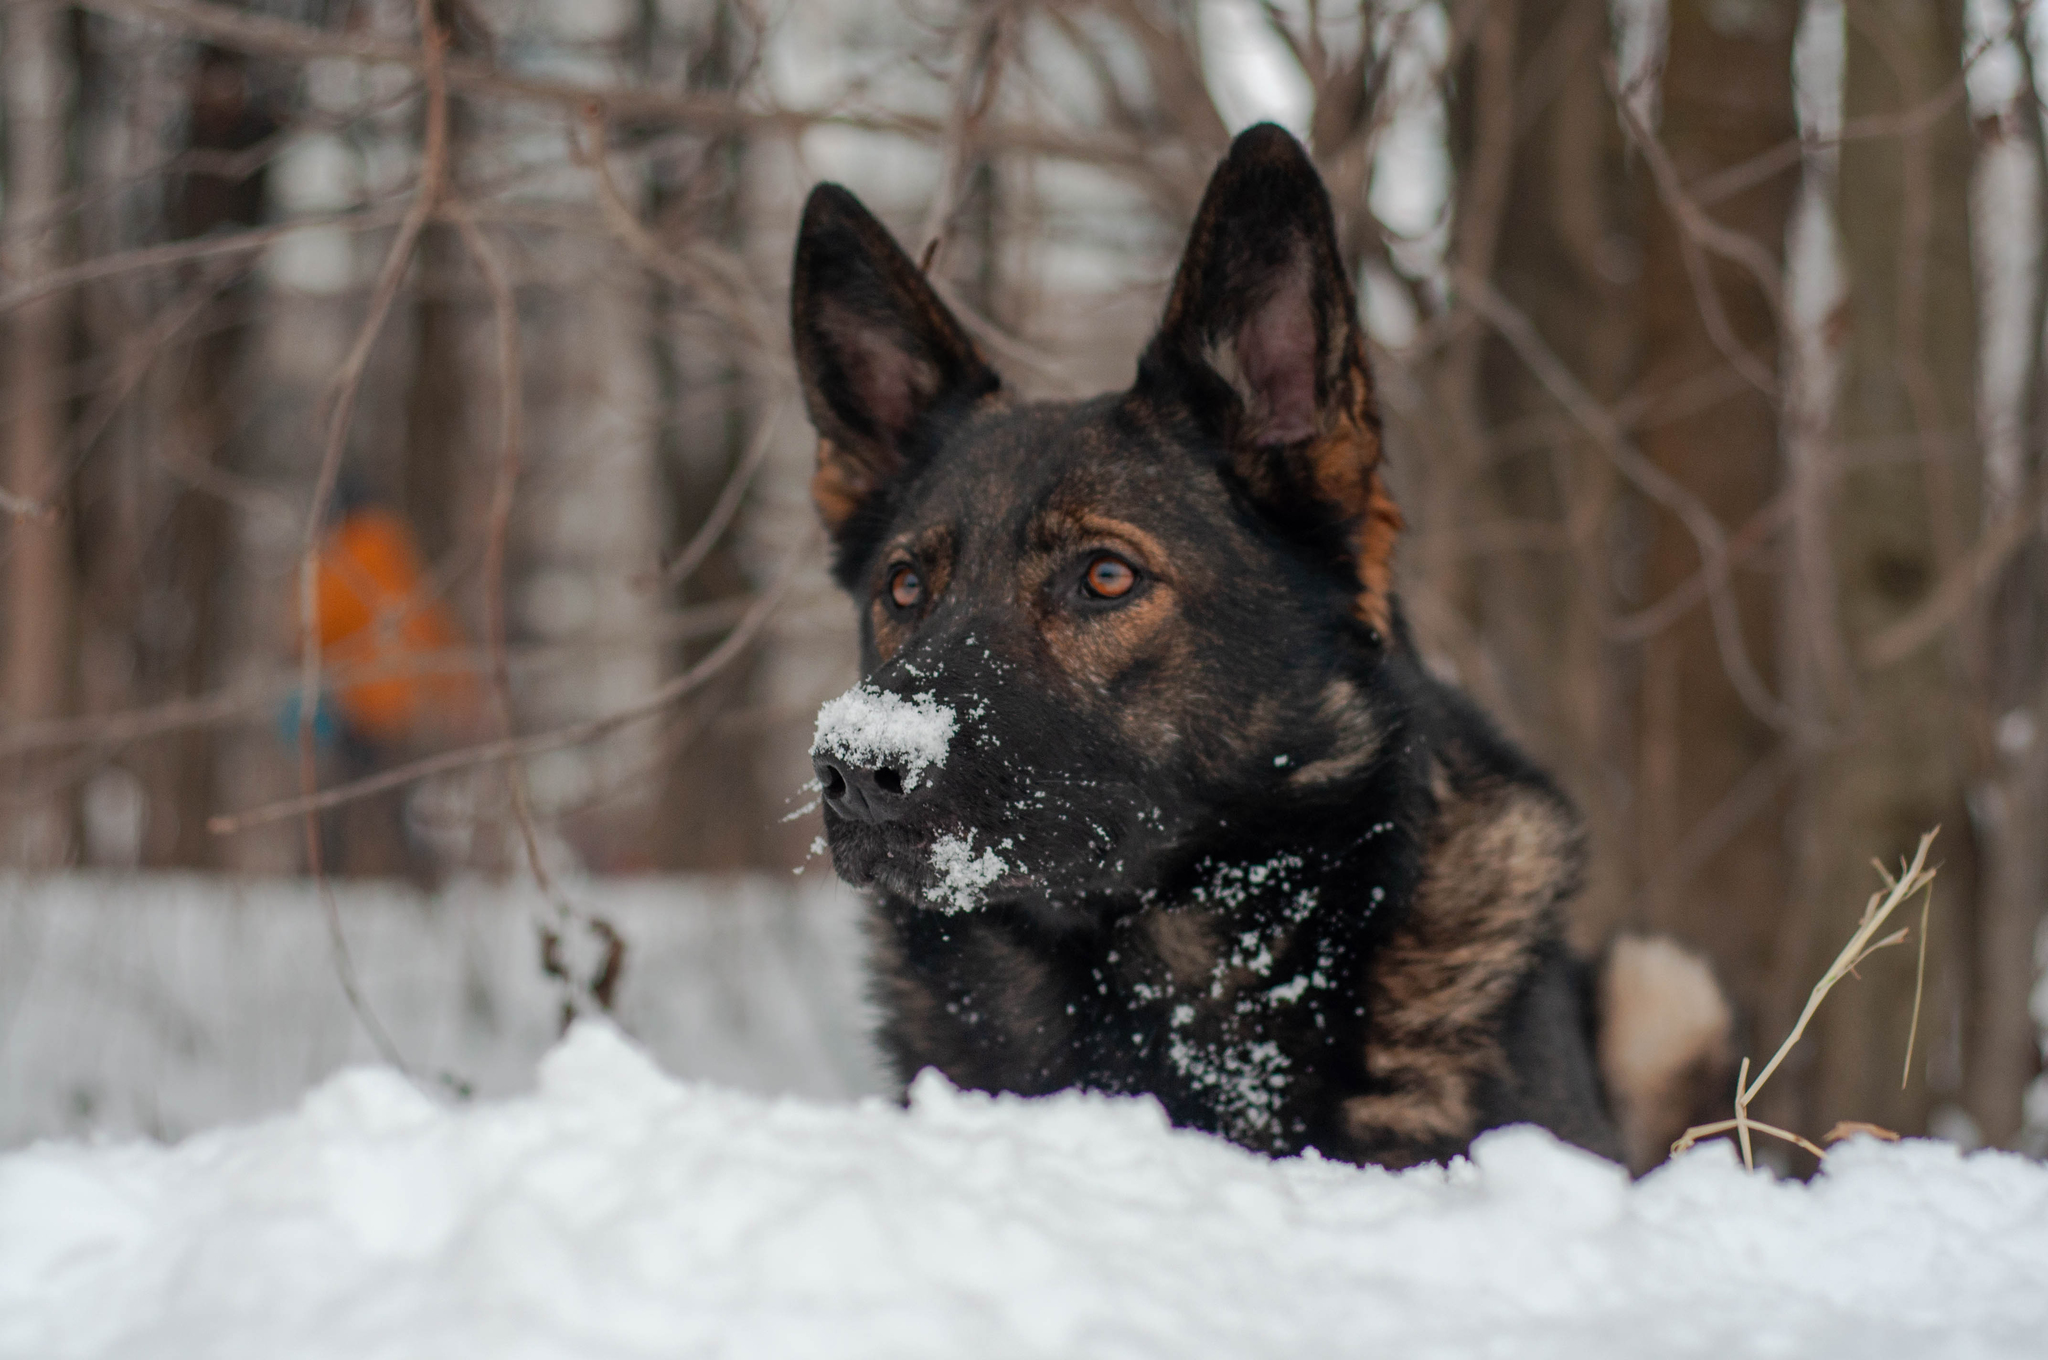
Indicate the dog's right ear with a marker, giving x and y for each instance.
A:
(1261, 344)
(878, 353)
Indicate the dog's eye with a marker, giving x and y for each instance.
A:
(906, 587)
(1109, 577)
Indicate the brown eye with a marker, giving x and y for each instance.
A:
(1109, 577)
(906, 587)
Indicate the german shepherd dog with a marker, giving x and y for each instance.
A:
(1150, 787)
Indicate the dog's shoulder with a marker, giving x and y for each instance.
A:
(1477, 1011)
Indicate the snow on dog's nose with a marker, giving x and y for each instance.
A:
(872, 747)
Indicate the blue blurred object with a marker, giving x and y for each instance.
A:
(326, 721)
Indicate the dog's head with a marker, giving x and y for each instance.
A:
(1100, 639)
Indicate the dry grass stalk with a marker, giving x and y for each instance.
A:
(1915, 877)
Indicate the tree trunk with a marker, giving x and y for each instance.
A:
(431, 482)
(38, 74)
(1711, 856)
(185, 569)
(1907, 499)
(711, 814)
(2013, 802)
(1530, 520)
(438, 475)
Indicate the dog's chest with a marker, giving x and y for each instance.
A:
(1232, 1014)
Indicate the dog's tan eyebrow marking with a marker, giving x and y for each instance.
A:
(1102, 526)
(931, 546)
(1058, 527)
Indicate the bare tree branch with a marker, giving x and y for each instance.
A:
(1964, 582)
(1652, 481)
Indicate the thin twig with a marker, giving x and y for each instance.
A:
(103, 730)
(504, 487)
(214, 245)
(1904, 123)
(979, 52)
(1693, 1135)
(1742, 1114)
(1919, 987)
(1707, 534)
(1914, 877)
(701, 267)
(347, 382)
(1960, 585)
(1005, 346)
(1744, 544)
(264, 35)
(729, 497)
(138, 357)
(1697, 231)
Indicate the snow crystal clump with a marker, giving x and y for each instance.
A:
(963, 878)
(1249, 1081)
(873, 728)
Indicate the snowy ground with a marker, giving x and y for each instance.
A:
(169, 1004)
(618, 1212)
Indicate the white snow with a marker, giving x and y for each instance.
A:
(617, 1212)
(167, 1004)
(873, 728)
(964, 877)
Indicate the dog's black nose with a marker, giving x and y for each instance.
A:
(860, 794)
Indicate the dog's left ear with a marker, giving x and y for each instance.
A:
(879, 355)
(1261, 343)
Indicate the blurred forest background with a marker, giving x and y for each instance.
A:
(427, 361)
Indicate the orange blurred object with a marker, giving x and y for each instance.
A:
(373, 611)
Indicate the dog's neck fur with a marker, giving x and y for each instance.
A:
(1270, 988)
(1363, 1000)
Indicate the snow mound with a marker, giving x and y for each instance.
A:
(873, 728)
(615, 1212)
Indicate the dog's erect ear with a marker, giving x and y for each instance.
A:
(877, 351)
(1261, 342)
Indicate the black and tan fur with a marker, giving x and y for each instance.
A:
(1256, 861)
